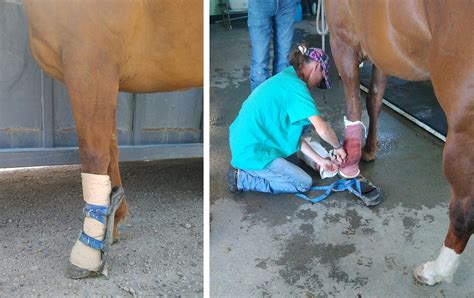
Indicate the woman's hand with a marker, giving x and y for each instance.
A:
(339, 155)
(328, 165)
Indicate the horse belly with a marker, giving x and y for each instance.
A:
(395, 36)
(158, 79)
(147, 42)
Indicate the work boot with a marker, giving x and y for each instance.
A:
(370, 194)
(232, 180)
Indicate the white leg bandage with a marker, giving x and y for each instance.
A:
(348, 122)
(96, 190)
(321, 151)
(441, 269)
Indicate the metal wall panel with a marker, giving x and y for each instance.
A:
(20, 83)
(36, 123)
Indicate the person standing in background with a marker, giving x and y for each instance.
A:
(267, 19)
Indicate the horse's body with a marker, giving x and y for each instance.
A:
(100, 47)
(149, 46)
(416, 40)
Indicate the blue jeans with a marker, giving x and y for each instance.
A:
(264, 18)
(280, 176)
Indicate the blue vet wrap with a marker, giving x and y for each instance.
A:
(100, 214)
(351, 185)
(96, 212)
(91, 242)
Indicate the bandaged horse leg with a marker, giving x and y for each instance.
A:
(96, 190)
(353, 147)
(439, 270)
(458, 161)
(92, 84)
(458, 158)
(374, 101)
(347, 63)
(461, 227)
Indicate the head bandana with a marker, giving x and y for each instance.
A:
(322, 58)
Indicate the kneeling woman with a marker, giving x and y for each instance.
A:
(270, 124)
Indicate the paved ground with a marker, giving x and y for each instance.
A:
(161, 248)
(265, 245)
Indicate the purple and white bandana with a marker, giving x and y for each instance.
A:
(322, 58)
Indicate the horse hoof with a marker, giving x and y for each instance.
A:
(368, 155)
(116, 236)
(73, 272)
(421, 275)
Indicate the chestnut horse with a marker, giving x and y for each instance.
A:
(98, 48)
(416, 40)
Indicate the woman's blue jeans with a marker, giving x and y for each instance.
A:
(264, 18)
(280, 176)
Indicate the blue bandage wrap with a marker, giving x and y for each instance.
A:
(96, 212)
(100, 214)
(91, 242)
(351, 185)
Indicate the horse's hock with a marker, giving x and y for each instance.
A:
(36, 124)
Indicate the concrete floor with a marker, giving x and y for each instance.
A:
(263, 245)
(160, 251)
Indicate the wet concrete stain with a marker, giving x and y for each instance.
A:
(429, 218)
(301, 254)
(262, 263)
(330, 254)
(297, 258)
(368, 231)
(275, 210)
(392, 261)
(365, 261)
(263, 290)
(306, 214)
(307, 228)
(353, 220)
(410, 224)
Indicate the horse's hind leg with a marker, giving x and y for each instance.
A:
(374, 100)
(114, 173)
(92, 82)
(458, 162)
(452, 81)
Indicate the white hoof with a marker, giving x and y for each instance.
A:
(442, 269)
(426, 274)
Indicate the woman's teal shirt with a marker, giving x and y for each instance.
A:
(271, 121)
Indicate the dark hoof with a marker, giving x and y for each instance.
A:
(73, 272)
(115, 236)
(368, 155)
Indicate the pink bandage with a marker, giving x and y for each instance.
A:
(353, 148)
